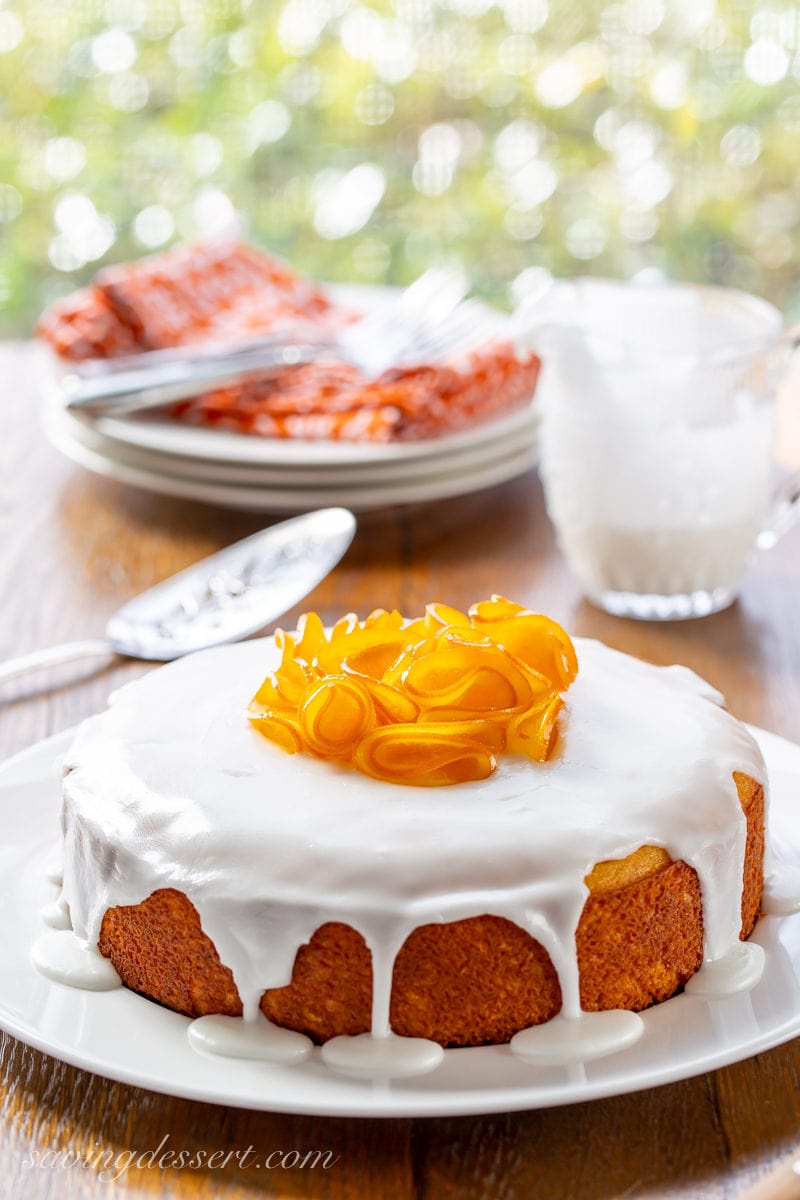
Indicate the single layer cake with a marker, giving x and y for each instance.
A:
(221, 874)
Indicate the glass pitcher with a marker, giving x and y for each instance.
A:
(657, 406)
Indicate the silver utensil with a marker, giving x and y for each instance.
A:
(153, 385)
(392, 333)
(223, 598)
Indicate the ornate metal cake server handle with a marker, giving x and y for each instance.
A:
(224, 598)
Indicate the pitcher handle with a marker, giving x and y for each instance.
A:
(784, 511)
(783, 514)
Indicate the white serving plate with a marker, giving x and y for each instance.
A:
(225, 446)
(513, 458)
(125, 1037)
(515, 432)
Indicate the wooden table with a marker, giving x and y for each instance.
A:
(73, 547)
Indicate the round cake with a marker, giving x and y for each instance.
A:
(222, 875)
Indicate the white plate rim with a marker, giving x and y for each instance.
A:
(63, 426)
(223, 445)
(439, 485)
(346, 1097)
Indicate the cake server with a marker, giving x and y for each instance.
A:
(224, 598)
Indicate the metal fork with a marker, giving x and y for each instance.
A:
(470, 325)
(385, 336)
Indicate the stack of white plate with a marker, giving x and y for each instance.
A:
(235, 470)
(270, 475)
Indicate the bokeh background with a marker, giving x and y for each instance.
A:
(364, 140)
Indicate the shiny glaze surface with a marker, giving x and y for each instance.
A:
(61, 532)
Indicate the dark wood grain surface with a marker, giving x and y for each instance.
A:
(73, 547)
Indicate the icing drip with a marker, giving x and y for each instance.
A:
(54, 873)
(385, 1056)
(61, 957)
(384, 947)
(780, 900)
(56, 914)
(172, 788)
(578, 1039)
(231, 1037)
(737, 971)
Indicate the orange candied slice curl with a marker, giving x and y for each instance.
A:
(430, 702)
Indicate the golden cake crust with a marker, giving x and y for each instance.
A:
(463, 983)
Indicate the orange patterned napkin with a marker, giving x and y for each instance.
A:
(228, 292)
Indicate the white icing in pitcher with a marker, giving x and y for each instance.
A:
(656, 433)
(172, 788)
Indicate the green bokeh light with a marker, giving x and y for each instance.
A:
(364, 140)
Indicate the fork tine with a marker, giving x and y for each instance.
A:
(468, 326)
(386, 335)
(437, 291)
(435, 294)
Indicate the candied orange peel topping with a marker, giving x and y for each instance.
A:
(429, 702)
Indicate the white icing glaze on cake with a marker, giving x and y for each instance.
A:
(390, 1056)
(56, 914)
(230, 1037)
(565, 1040)
(59, 956)
(739, 971)
(172, 787)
